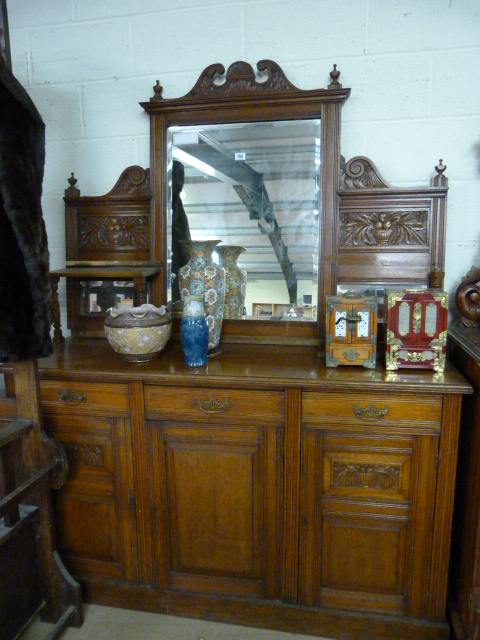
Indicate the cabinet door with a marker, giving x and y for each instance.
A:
(95, 510)
(217, 506)
(367, 508)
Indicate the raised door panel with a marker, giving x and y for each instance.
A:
(94, 510)
(363, 560)
(366, 520)
(220, 498)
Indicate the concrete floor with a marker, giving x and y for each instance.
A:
(106, 623)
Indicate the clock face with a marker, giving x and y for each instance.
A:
(363, 325)
(340, 324)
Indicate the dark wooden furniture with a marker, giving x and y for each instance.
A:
(464, 348)
(109, 238)
(386, 234)
(265, 488)
(258, 482)
(32, 576)
(370, 232)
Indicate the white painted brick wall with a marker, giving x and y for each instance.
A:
(412, 66)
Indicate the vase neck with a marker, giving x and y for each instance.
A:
(228, 255)
(193, 306)
(201, 248)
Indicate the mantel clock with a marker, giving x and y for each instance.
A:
(351, 330)
(416, 329)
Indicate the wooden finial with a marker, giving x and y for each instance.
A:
(334, 75)
(440, 168)
(440, 180)
(72, 191)
(157, 92)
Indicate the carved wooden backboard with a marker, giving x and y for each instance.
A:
(386, 234)
(110, 228)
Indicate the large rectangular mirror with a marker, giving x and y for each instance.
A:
(260, 165)
(255, 186)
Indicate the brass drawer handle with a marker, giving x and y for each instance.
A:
(213, 405)
(370, 412)
(71, 397)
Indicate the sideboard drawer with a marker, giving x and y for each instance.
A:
(214, 405)
(383, 409)
(84, 397)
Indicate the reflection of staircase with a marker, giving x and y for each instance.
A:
(32, 576)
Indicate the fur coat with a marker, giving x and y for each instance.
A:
(25, 295)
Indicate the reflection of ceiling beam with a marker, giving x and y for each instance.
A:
(235, 172)
(251, 189)
(261, 210)
(199, 164)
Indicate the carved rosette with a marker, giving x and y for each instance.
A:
(467, 298)
(383, 228)
(113, 231)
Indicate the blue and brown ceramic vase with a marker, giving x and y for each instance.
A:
(235, 280)
(194, 332)
(201, 276)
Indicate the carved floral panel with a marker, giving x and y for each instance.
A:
(113, 231)
(366, 476)
(383, 228)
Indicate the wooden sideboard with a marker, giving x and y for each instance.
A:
(263, 489)
(464, 592)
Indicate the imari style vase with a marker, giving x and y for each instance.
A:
(201, 276)
(194, 332)
(235, 280)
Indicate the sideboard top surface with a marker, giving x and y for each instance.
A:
(258, 366)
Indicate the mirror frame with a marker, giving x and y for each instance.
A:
(240, 97)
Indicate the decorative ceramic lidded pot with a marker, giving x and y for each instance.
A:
(194, 332)
(138, 333)
(235, 280)
(201, 276)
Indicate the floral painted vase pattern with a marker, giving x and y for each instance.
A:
(235, 280)
(201, 276)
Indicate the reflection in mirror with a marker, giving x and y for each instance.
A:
(256, 186)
